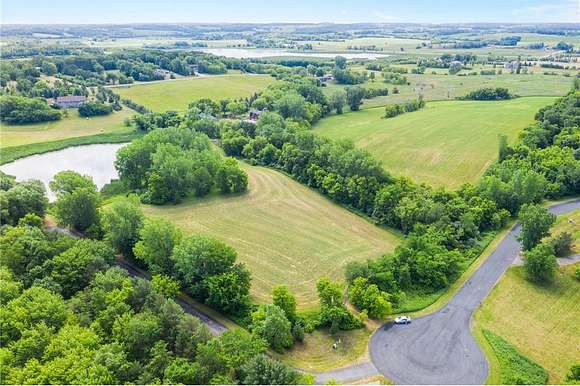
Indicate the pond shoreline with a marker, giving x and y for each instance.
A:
(13, 153)
(95, 160)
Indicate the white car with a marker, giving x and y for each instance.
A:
(402, 320)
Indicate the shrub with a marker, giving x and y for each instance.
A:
(488, 94)
(516, 369)
(91, 109)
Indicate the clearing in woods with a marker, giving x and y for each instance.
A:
(285, 232)
(177, 94)
(446, 144)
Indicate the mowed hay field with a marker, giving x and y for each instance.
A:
(445, 144)
(447, 87)
(68, 127)
(177, 94)
(542, 322)
(285, 232)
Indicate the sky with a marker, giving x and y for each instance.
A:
(311, 11)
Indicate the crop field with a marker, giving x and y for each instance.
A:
(68, 127)
(448, 87)
(542, 322)
(177, 94)
(445, 144)
(285, 232)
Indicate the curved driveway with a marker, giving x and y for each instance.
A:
(439, 348)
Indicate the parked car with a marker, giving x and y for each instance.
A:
(402, 320)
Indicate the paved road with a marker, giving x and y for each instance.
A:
(439, 348)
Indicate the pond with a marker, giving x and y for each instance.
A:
(96, 161)
(241, 53)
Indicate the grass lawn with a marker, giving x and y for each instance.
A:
(285, 232)
(177, 94)
(542, 322)
(570, 223)
(445, 144)
(316, 353)
(68, 127)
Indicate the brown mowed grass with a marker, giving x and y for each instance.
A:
(542, 322)
(284, 231)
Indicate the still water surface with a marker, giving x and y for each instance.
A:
(96, 161)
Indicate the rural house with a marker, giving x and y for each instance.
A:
(69, 101)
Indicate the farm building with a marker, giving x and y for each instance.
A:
(69, 101)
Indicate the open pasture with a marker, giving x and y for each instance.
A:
(447, 87)
(71, 126)
(445, 144)
(542, 322)
(285, 232)
(177, 94)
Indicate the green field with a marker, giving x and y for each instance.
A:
(448, 87)
(285, 232)
(68, 127)
(542, 322)
(445, 144)
(569, 223)
(177, 94)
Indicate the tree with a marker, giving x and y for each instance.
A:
(284, 299)
(198, 257)
(122, 222)
(503, 148)
(337, 100)
(229, 291)
(77, 200)
(91, 109)
(340, 62)
(184, 372)
(35, 305)
(17, 110)
(270, 323)
(230, 178)
(23, 198)
(333, 311)
(540, 263)
(138, 333)
(573, 375)
(74, 268)
(291, 106)
(354, 97)
(368, 297)
(165, 285)
(262, 370)
(536, 222)
(157, 239)
(228, 353)
(68, 181)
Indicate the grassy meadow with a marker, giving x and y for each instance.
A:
(542, 322)
(177, 94)
(285, 232)
(445, 144)
(447, 87)
(68, 127)
(569, 223)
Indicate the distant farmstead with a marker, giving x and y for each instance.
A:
(70, 101)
